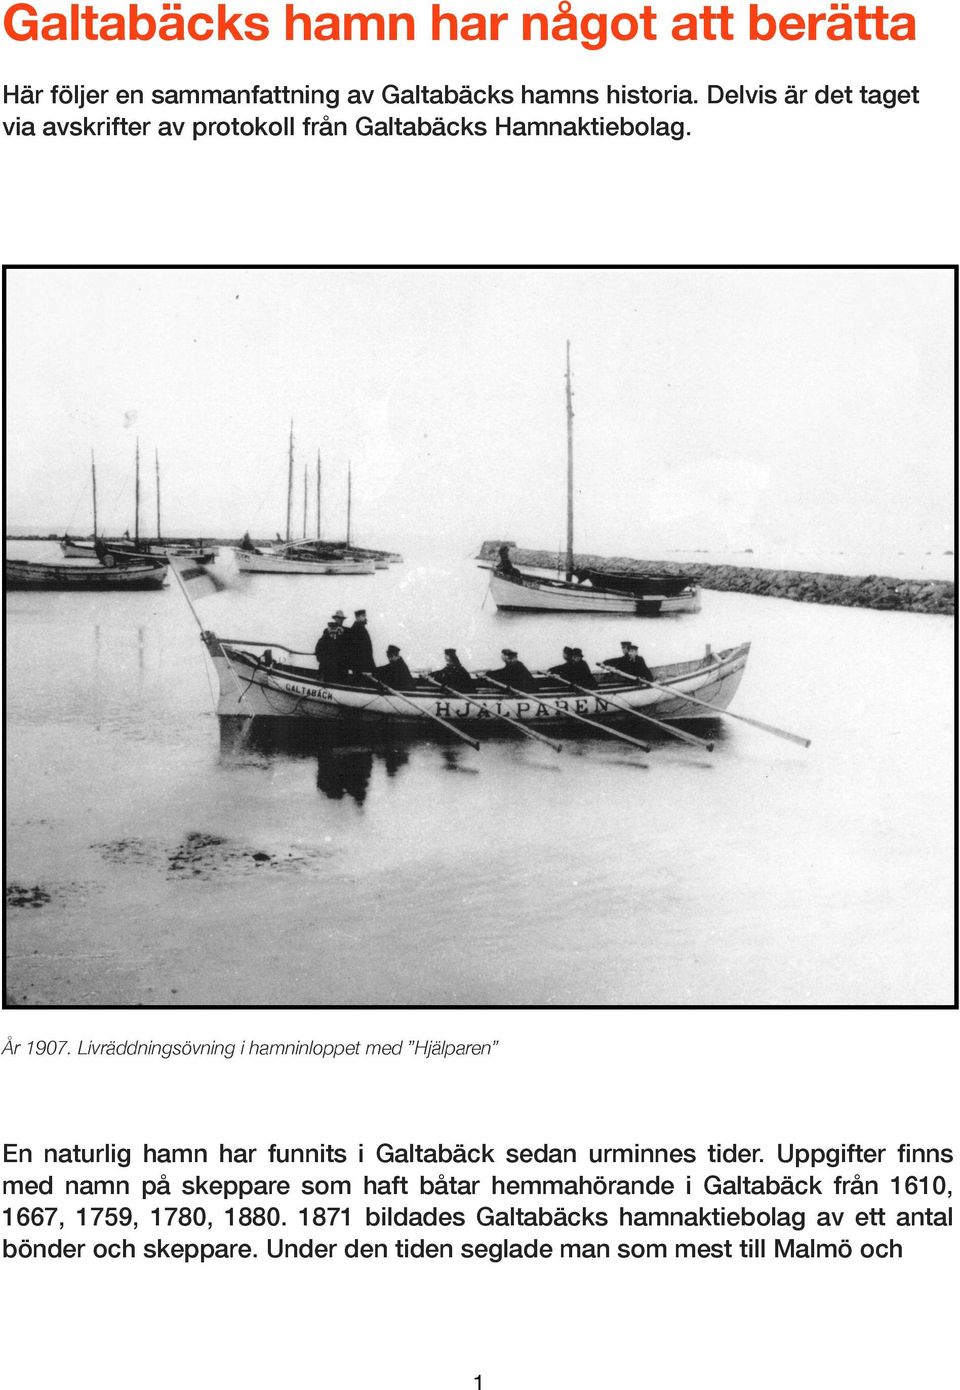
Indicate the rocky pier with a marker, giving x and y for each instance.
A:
(844, 590)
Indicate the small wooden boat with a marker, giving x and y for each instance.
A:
(272, 681)
(145, 573)
(600, 593)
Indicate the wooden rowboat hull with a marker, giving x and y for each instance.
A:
(280, 689)
(29, 574)
(530, 594)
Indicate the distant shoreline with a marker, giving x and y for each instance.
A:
(801, 586)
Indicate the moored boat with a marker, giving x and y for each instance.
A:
(526, 592)
(293, 559)
(147, 573)
(588, 591)
(197, 551)
(306, 556)
(194, 550)
(271, 681)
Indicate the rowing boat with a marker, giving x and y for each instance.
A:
(271, 681)
(31, 574)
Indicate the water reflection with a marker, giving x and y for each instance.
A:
(344, 767)
(344, 772)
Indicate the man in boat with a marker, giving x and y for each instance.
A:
(246, 543)
(333, 660)
(453, 673)
(514, 673)
(359, 646)
(505, 565)
(102, 553)
(396, 673)
(621, 662)
(631, 663)
(563, 669)
(580, 671)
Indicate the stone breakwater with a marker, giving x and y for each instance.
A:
(845, 590)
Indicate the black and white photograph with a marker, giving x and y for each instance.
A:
(485, 637)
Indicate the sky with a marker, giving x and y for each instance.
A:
(719, 410)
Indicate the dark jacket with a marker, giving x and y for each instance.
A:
(581, 674)
(359, 649)
(396, 674)
(578, 672)
(517, 675)
(633, 666)
(456, 676)
(333, 657)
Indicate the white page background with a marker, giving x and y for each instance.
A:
(784, 186)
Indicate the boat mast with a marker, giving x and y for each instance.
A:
(156, 459)
(349, 498)
(136, 503)
(318, 494)
(290, 481)
(304, 501)
(569, 472)
(93, 475)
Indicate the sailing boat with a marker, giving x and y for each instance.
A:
(303, 556)
(382, 559)
(188, 550)
(588, 591)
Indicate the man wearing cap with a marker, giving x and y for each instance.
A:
(454, 673)
(631, 663)
(359, 646)
(621, 662)
(396, 673)
(514, 673)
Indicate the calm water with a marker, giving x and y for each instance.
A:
(179, 868)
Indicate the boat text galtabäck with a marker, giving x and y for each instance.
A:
(646, 595)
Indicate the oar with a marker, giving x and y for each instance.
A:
(514, 723)
(398, 694)
(571, 714)
(619, 704)
(716, 709)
